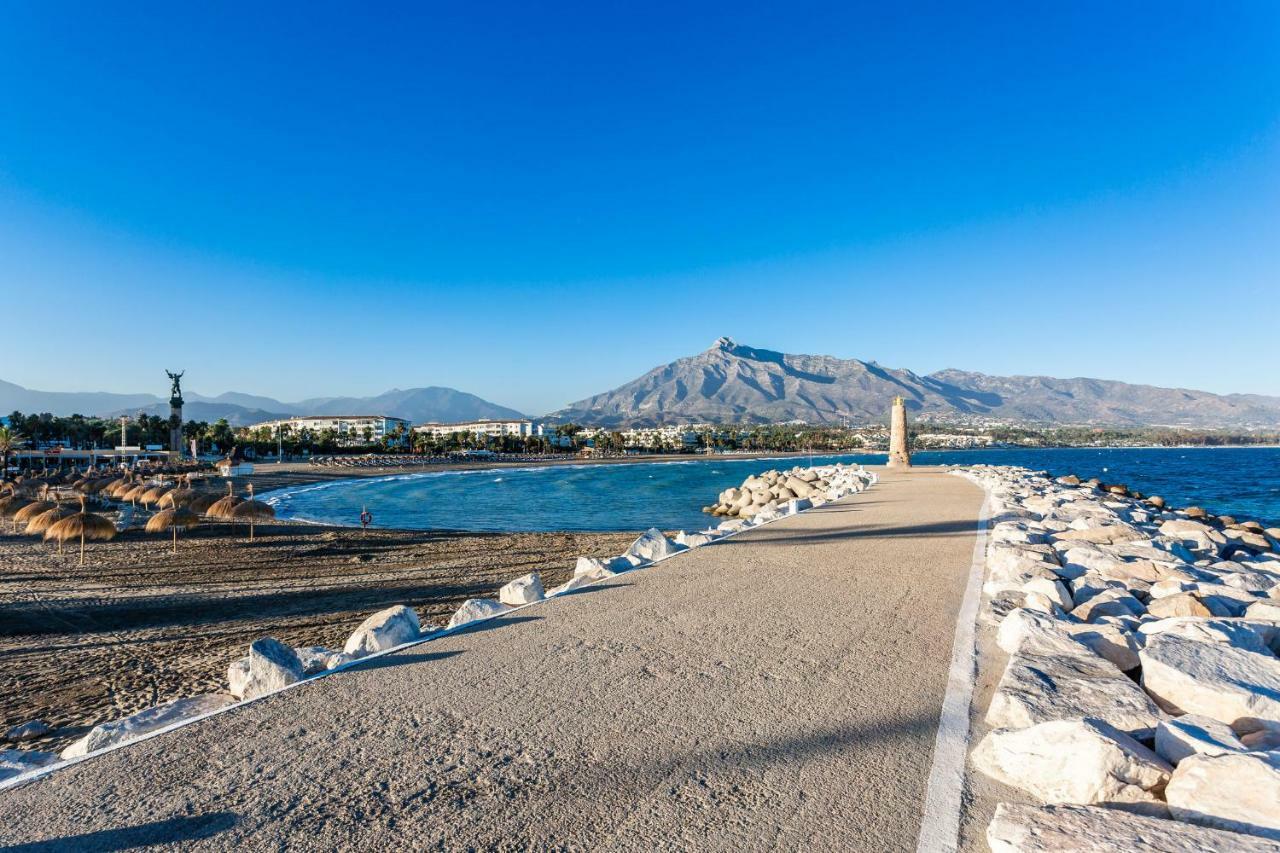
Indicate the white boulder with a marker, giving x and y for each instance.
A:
(15, 762)
(384, 630)
(525, 589)
(314, 659)
(652, 545)
(1210, 679)
(1237, 791)
(1076, 761)
(272, 666)
(28, 731)
(593, 568)
(1038, 688)
(476, 608)
(143, 722)
(1190, 734)
(1091, 829)
(694, 540)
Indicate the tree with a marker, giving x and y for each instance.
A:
(10, 440)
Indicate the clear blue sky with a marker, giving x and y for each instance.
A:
(536, 203)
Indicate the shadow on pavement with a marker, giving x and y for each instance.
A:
(170, 831)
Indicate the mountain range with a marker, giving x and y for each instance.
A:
(734, 383)
(415, 404)
(731, 382)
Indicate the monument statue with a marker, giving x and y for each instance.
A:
(175, 411)
(898, 455)
(175, 390)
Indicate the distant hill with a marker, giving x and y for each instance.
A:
(731, 382)
(415, 404)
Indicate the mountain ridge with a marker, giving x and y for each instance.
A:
(731, 382)
(429, 403)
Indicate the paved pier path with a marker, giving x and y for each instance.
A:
(778, 691)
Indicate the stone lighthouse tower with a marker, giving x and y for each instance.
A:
(175, 411)
(898, 455)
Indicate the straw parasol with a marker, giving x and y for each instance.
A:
(252, 511)
(83, 525)
(11, 502)
(202, 501)
(172, 519)
(221, 508)
(31, 510)
(42, 522)
(152, 495)
(133, 494)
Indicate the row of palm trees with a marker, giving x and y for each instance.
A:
(35, 502)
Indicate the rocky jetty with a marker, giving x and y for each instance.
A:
(789, 491)
(1140, 670)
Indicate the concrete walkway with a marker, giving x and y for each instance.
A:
(778, 691)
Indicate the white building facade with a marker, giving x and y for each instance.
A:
(351, 429)
(493, 429)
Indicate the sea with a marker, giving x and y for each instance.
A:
(1240, 482)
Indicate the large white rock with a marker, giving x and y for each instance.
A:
(1194, 535)
(575, 582)
(272, 666)
(1076, 761)
(1211, 679)
(28, 731)
(1040, 633)
(143, 722)
(476, 608)
(314, 659)
(1238, 791)
(593, 568)
(384, 630)
(525, 589)
(14, 762)
(1268, 611)
(1039, 688)
(1111, 602)
(1181, 604)
(695, 540)
(1051, 589)
(1190, 734)
(1092, 829)
(1242, 634)
(652, 545)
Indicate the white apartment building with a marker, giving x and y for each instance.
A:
(351, 429)
(493, 429)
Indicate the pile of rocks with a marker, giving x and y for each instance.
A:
(1141, 674)
(790, 491)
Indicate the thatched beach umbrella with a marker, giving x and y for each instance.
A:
(11, 502)
(153, 495)
(252, 511)
(83, 525)
(42, 522)
(118, 488)
(201, 501)
(133, 494)
(172, 519)
(221, 508)
(31, 510)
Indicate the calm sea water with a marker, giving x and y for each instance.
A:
(1243, 482)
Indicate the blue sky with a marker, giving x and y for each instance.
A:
(537, 204)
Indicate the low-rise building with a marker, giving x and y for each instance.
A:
(350, 429)
(493, 429)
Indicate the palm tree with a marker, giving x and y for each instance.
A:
(10, 440)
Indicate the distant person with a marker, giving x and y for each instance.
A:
(366, 518)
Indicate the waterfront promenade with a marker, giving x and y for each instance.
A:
(779, 690)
